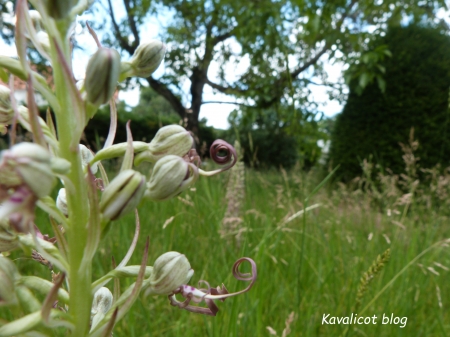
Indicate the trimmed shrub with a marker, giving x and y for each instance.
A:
(416, 96)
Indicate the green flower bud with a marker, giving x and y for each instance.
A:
(8, 276)
(101, 303)
(59, 9)
(170, 271)
(86, 157)
(6, 110)
(170, 139)
(61, 201)
(147, 58)
(171, 176)
(122, 195)
(8, 239)
(29, 164)
(36, 19)
(44, 41)
(102, 74)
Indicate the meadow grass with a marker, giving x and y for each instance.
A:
(342, 238)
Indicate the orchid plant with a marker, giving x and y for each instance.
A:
(91, 200)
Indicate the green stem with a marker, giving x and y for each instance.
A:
(79, 278)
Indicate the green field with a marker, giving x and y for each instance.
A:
(308, 266)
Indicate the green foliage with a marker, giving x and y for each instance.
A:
(278, 136)
(417, 89)
(337, 253)
(152, 112)
(262, 53)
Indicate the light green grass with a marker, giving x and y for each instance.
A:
(336, 254)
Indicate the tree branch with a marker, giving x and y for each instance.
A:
(122, 42)
(132, 24)
(224, 89)
(233, 103)
(164, 91)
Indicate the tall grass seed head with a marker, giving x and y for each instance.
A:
(147, 58)
(171, 175)
(170, 271)
(6, 110)
(102, 74)
(29, 164)
(122, 195)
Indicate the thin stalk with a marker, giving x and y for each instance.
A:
(79, 280)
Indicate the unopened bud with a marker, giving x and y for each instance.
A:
(86, 157)
(147, 58)
(101, 303)
(61, 201)
(170, 139)
(30, 164)
(122, 195)
(8, 276)
(44, 41)
(8, 239)
(102, 74)
(58, 9)
(36, 19)
(6, 110)
(170, 271)
(171, 175)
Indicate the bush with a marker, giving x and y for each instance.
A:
(416, 96)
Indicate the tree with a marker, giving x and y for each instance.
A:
(417, 80)
(283, 43)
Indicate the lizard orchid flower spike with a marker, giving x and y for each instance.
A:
(209, 294)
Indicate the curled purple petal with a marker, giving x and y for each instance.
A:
(209, 294)
(220, 146)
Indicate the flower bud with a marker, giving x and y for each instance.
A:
(102, 74)
(58, 9)
(170, 139)
(8, 239)
(170, 271)
(6, 110)
(122, 195)
(61, 201)
(86, 157)
(36, 19)
(44, 41)
(147, 58)
(101, 303)
(8, 275)
(171, 176)
(30, 164)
